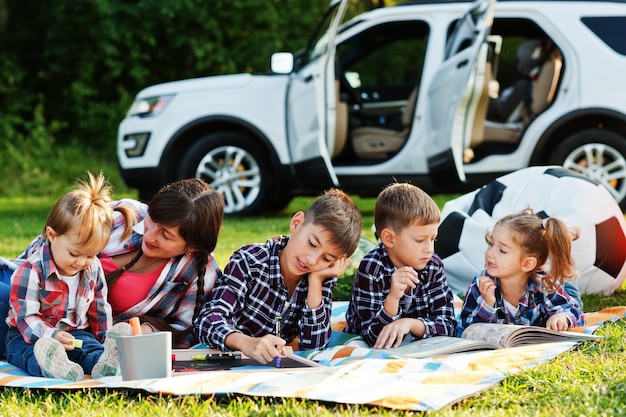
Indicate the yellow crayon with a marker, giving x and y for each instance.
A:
(78, 343)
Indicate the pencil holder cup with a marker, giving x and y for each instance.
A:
(145, 356)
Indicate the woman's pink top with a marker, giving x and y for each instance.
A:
(130, 288)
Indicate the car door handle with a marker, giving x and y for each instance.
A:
(308, 78)
(462, 63)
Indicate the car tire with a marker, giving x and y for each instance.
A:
(235, 166)
(279, 203)
(598, 154)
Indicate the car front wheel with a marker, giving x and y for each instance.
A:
(234, 165)
(598, 154)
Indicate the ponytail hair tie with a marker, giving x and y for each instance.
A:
(544, 222)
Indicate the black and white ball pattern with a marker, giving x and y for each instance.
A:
(600, 252)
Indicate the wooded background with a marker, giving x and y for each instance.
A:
(71, 68)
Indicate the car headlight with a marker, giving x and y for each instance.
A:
(150, 106)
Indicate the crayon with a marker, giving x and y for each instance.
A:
(135, 325)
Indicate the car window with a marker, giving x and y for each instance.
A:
(399, 47)
(514, 33)
(610, 30)
(462, 32)
(318, 43)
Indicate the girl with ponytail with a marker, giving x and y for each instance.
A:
(514, 287)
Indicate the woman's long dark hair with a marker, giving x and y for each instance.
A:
(198, 211)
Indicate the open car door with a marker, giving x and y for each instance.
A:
(311, 103)
(454, 92)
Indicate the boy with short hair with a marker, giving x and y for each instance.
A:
(287, 279)
(400, 287)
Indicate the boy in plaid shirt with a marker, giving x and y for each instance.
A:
(400, 287)
(287, 279)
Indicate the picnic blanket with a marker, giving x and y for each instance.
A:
(353, 377)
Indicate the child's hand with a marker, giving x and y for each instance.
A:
(316, 279)
(66, 339)
(393, 333)
(335, 269)
(487, 288)
(402, 279)
(264, 349)
(558, 322)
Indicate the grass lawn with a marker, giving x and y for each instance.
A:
(588, 381)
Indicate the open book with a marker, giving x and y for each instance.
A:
(482, 336)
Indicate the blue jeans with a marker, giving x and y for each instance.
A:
(5, 291)
(22, 354)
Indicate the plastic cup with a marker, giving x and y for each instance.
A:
(145, 356)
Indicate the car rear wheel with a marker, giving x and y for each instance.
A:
(598, 154)
(235, 166)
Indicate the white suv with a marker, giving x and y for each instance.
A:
(447, 95)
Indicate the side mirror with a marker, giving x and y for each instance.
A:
(281, 62)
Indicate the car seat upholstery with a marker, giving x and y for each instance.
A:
(544, 86)
(341, 123)
(379, 142)
(480, 114)
(508, 106)
(478, 127)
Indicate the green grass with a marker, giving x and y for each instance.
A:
(588, 381)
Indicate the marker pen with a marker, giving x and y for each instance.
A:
(277, 333)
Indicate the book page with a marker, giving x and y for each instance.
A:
(528, 335)
(490, 332)
(435, 346)
(512, 335)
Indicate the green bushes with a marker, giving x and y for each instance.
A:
(79, 63)
(69, 69)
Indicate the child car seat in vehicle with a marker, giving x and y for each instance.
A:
(539, 65)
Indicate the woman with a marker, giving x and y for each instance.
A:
(162, 272)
